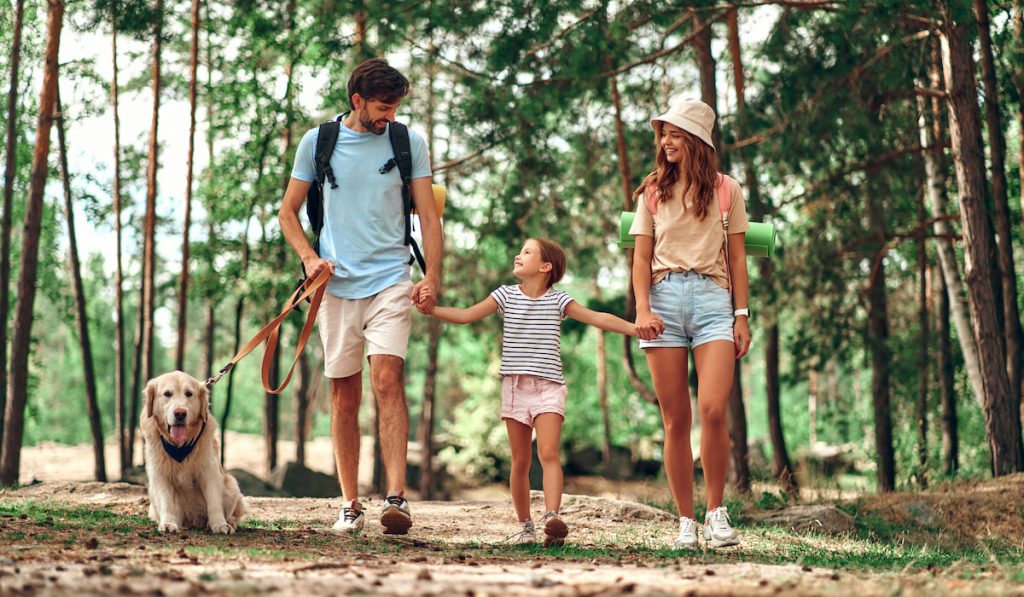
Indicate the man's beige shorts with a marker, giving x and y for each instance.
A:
(380, 323)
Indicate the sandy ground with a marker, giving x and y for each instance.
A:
(454, 548)
(93, 539)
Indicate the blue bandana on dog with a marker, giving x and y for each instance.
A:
(181, 453)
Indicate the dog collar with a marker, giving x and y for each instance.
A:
(181, 453)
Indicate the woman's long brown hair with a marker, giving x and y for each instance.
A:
(701, 173)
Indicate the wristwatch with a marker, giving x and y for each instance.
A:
(744, 311)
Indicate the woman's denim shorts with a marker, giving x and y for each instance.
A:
(695, 310)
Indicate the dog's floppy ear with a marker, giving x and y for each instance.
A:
(204, 401)
(150, 394)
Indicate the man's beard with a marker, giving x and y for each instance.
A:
(377, 127)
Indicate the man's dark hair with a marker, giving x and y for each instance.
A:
(374, 79)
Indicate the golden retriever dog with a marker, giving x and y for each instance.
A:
(188, 488)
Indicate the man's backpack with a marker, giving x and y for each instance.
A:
(327, 138)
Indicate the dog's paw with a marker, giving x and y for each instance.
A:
(169, 527)
(222, 529)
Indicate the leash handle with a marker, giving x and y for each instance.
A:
(315, 288)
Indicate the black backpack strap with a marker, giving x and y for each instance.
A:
(398, 133)
(327, 138)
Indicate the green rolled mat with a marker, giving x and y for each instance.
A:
(760, 238)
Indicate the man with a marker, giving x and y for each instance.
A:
(367, 303)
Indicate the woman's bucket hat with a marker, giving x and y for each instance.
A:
(691, 115)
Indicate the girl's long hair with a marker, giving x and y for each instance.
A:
(701, 177)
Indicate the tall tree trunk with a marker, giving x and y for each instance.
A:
(149, 233)
(1017, 77)
(1002, 411)
(878, 334)
(21, 338)
(302, 407)
(738, 419)
(10, 170)
(759, 208)
(602, 394)
(935, 189)
(179, 357)
(119, 373)
(997, 152)
(922, 351)
(947, 387)
(272, 413)
(133, 411)
(738, 435)
(425, 432)
(210, 321)
(425, 429)
(239, 311)
(81, 314)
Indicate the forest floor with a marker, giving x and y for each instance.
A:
(62, 537)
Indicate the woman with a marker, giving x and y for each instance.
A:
(690, 277)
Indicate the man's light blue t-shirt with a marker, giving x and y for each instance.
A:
(364, 227)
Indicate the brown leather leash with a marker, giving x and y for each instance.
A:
(314, 288)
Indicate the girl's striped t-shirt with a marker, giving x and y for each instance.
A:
(532, 337)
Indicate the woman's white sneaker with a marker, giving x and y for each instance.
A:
(687, 538)
(527, 536)
(717, 531)
(350, 519)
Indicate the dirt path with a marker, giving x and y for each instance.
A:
(92, 538)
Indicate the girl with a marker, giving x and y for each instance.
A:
(533, 389)
(690, 275)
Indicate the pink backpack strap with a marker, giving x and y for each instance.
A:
(724, 205)
(651, 196)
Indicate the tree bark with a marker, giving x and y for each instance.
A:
(738, 435)
(878, 333)
(737, 419)
(997, 152)
(781, 466)
(179, 357)
(602, 394)
(947, 387)
(119, 372)
(210, 323)
(1002, 411)
(272, 413)
(10, 171)
(21, 338)
(302, 407)
(935, 190)
(425, 430)
(149, 231)
(78, 294)
(922, 351)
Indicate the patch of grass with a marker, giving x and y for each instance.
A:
(280, 524)
(62, 517)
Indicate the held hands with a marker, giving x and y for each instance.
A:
(424, 295)
(741, 334)
(648, 325)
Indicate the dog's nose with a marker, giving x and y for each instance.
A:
(179, 415)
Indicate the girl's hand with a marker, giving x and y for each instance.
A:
(423, 298)
(741, 335)
(648, 325)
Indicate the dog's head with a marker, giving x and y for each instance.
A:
(179, 403)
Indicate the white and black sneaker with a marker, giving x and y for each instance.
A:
(350, 519)
(555, 530)
(395, 518)
(717, 532)
(527, 536)
(687, 538)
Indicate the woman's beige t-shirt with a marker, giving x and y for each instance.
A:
(682, 242)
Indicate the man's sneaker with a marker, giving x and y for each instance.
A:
(350, 519)
(395, 518)
(717, 532)
(687, 538)
(555, 530)
(526, 536)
